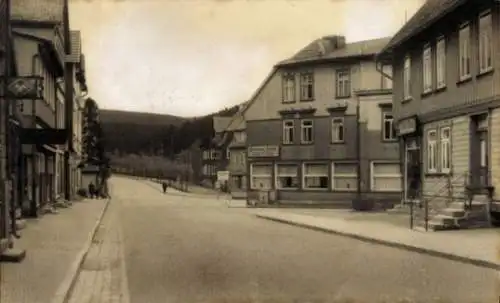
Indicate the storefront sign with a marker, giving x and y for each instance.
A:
(407, 126)
(263, 151)
(29, 87)
(223, 175)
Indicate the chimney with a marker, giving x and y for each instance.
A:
(336, 41)
(322, 47)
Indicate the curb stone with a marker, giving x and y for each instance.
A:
(431, 252)
(66, 286)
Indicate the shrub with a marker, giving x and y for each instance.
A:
(82, 192)
(362, 204)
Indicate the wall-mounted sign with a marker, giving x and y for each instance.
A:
(222, 175)
(407, 126)
(263, 151)
(30, 87)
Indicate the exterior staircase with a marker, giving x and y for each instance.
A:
(447, 209)
(458, 215)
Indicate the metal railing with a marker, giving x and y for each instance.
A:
(471, 184)
(441, 190)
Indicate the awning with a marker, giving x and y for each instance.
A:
(41, 136)
(46, 148)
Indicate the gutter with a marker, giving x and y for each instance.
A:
(326, 60)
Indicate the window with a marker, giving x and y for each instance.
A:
(386, 81)
(427, 69)
(485, 39)
(289, 88)
(261, 176)
(315, 176)
(389, 133)
(288, 132)
(343, 84)
(445, 150)
(407, 78)
(431, 151)
(441, 62)
(287, 176)
(337, 130)
(306, 86)
(243, 159)
(344, 176)
(385, 176)
(239, 137)
(215, 155)
(306, 131)
(464, 52)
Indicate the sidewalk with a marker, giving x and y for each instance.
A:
(480, 247)
(55, 245)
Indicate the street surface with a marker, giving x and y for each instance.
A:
(186, 249)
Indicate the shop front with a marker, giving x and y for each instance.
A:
(410, 135)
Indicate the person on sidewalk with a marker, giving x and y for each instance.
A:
(164, 186)
(92, 190)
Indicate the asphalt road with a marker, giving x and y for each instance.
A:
(189, 249)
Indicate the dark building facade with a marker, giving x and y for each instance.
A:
(446, 103)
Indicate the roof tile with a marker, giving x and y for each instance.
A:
(360, 48)
(429, 13)
(37, 10)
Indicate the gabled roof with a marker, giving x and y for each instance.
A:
(356, 49)
(39, 10)
(430, 12)
(221, 123)
(350, 50)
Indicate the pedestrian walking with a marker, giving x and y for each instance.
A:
(164, 186)
(92, 190)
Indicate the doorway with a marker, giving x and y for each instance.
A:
(412, 167)
(479, 160)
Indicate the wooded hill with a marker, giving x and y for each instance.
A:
(155, 134)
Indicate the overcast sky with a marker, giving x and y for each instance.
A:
(190, 57)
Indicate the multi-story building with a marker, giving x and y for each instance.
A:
(237, 166)
(38, 47)
(303, 125)
(43, 49)
(77, 58)
(210, 157)
(446, 99)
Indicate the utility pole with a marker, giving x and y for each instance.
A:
(8, 229)
(358, 151)
(68, 103)
(4, 116)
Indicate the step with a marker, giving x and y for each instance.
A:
(15, 255)
(443, 220)
(20, 224)
(434, 226)
(454, 212)
(461, 205)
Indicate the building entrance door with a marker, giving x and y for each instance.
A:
(479, 160)
(412, 179)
